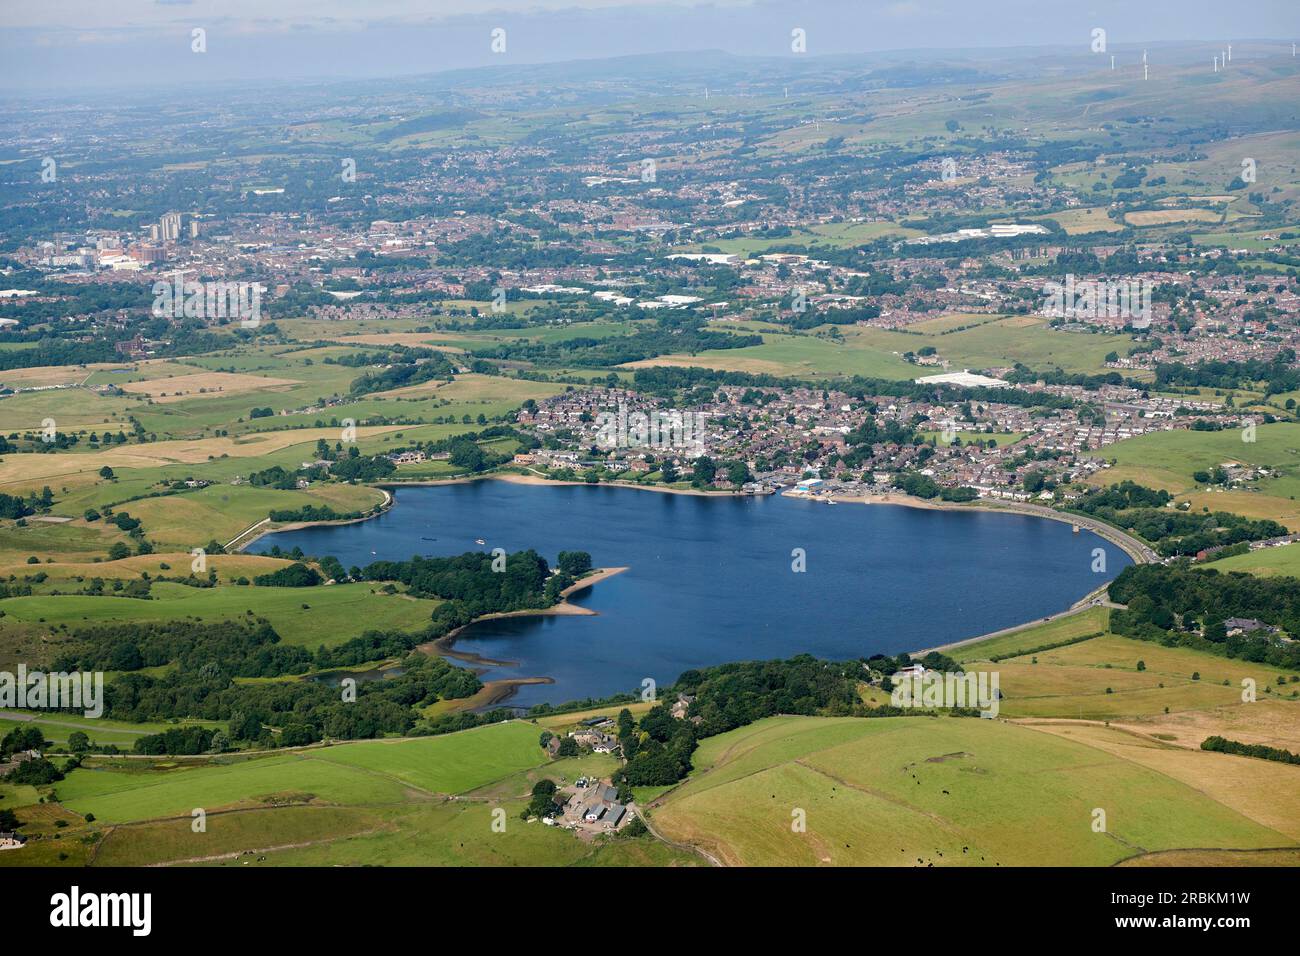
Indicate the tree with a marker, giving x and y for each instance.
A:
(78, 742)
(703, 471)
(297, 575)
(575, 563)
(106, 472)
(738, 473)
(36, 773)
(22, 738)
(468, 455)
(543, 800)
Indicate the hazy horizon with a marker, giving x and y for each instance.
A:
(84, 45)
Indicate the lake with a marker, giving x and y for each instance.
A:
(710, 579)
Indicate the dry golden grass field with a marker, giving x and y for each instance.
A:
(205, 385)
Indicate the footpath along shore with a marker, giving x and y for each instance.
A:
(1140, 552)
(494, 692)
(536, 479)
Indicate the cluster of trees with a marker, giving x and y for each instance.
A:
(206, 659)
(217, 650)
(21, 738)
(933, 661)
(1279, 373)
(283, 713)
(278, 477)
(464, 451)
(296, 575)
(658, 748)
(35, 772)
(176, 740)
(14, 506)
(420, 365)
(697, 383)
(1262, 751)
(542, 803)
(357, 467)
(1178, 605)
(1172, 532)
(312, 513)
(923, 486)
(674, 333)
(811, 318)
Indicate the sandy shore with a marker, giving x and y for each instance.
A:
(445, 646)
(517, 479)
(501, 690)
(494, 692)
(299, 525)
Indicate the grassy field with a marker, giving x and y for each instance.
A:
(1090, 621)
(563, 723)
(454, 763)
(100, 730)
(162, 841)
(1265, 562)
(804, 356)
(1168, 459)
(971, 341)
(1081, 221)
(835, 235)
(1163, 217)
(367, 772)
(1002, 439)
(222, 511)
(309, 616)
(941, 792)
(449, 800)
(1099, 679)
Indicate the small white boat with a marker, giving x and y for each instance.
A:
(479, 541)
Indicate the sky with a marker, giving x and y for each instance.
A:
(86, 44)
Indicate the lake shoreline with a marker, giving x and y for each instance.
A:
(445, 646)
(380, 509)
(1139, 552)
(505, 688)
(517, 479)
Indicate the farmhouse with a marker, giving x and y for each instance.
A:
(603, 807)
(598, 741)
(407, 457)
(1244, 625)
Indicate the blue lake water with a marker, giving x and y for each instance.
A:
(710, 579)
